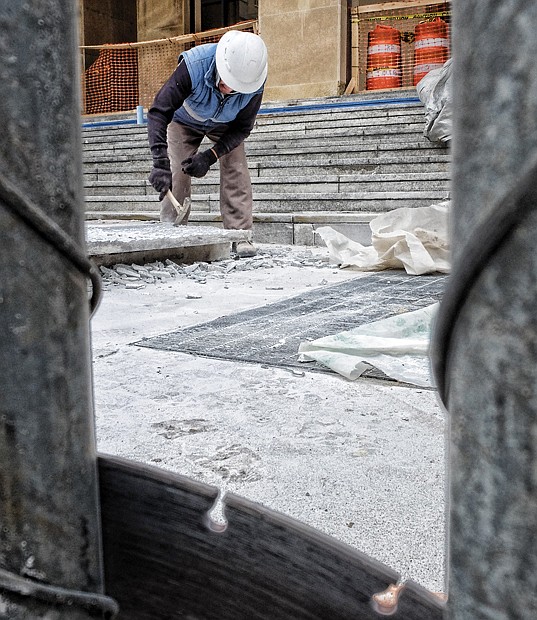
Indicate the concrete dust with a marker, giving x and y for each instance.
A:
(361, 461)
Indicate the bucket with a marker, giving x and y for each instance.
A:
(383, 58)
(431, 47)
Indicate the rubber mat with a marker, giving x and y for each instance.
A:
(271, 334)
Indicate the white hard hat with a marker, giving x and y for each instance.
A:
(241, 61)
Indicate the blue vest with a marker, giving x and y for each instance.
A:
(206, 107)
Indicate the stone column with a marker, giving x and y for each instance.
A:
(307, 45)
(159, 19)
(50, 546)
(492, 358)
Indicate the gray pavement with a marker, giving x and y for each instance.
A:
(362, 461)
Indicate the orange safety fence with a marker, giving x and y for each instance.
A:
(398, 47)
(126, 75)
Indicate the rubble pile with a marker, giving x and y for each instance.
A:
(138, 276)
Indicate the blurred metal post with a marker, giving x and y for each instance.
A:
(50, 558)
(491, 363)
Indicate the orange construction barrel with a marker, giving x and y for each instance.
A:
(383, 58)
(431, 47)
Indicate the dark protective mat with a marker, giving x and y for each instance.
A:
(271, 334)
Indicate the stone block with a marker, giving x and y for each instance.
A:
(317, 30)
(273, 232)
(304, 234)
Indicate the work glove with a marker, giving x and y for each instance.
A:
(199, 165)
(161, 176)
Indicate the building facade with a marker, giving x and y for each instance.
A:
(317, 48)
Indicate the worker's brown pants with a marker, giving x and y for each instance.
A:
(235, 183)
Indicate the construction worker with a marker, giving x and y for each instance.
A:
(215, 91)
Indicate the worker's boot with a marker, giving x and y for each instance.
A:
(243, 249)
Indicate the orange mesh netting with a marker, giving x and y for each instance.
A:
(126, 75)
(111, 83)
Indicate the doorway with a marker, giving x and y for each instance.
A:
(107, 21)
(208, 14)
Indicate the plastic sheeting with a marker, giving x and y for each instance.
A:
(434, 91)
(398, 346)
(415, 239)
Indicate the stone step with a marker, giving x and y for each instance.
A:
(379, 126)
(285, 146)
(311, 165)
(151, 214)
(319, 114)
(259, 132)
(291, 184)
(336, 185)
(403, 132)
(290, 228)
(135, 187)
(339, 147)
(351, 202)
(406, 181)
(114, 134)
(333, 149)
(374, 122)
(437, 162)
(295, 115)
(354, 137)
(283, 202)
(261, 129)
(320, 218)
(383, 164)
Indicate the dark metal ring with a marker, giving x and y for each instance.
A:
(58, 596)
(48, 230)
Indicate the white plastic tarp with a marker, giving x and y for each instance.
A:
(434, 91)
(415, 239)
(398, 346)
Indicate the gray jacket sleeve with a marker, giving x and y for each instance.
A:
(169, 98)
